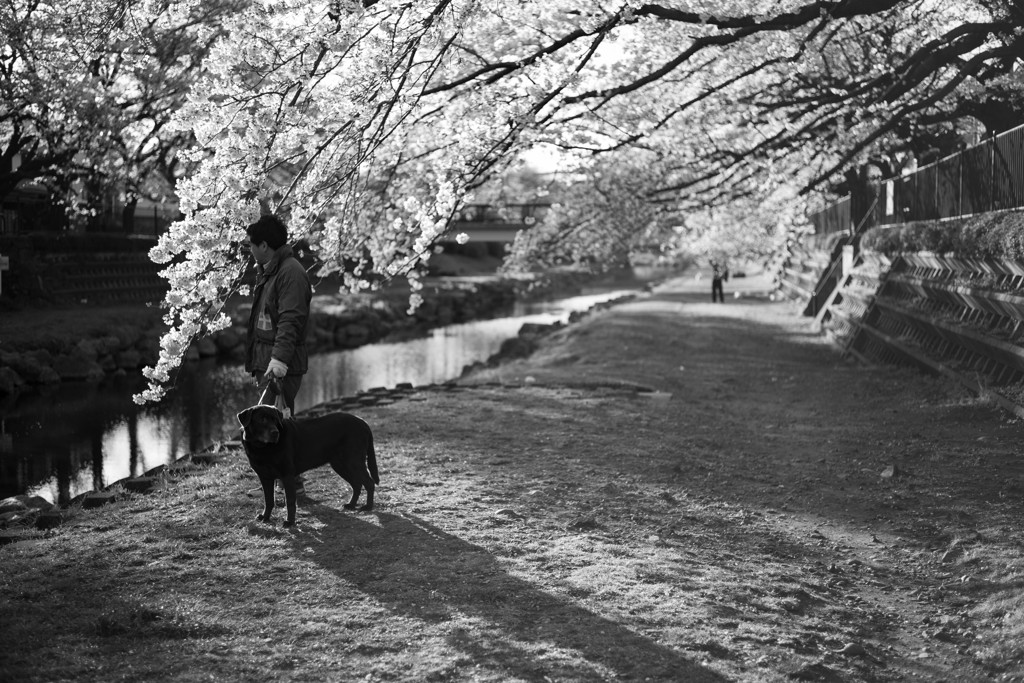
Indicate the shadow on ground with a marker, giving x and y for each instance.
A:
(502, 622)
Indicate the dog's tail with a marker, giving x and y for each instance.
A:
(371, 459)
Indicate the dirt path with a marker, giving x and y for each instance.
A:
(854, 522)
(668, 490)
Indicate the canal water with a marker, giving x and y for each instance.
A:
(78, 437)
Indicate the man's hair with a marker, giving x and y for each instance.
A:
(269, 229)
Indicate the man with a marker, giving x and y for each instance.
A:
(276, 334)
(718, 274)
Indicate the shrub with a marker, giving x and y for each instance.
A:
(934, 237)
(1011, 229)
(985, 236)
(881, 239)
(967, 241)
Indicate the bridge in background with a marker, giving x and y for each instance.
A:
(497, 223)
(112, 264)
(30, 210)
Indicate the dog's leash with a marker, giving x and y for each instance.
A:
(272, 384)
(276, 392)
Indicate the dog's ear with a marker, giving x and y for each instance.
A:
(278, 417)
(245, 416)
(271, 410)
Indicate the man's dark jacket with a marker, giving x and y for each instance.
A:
(280, 313)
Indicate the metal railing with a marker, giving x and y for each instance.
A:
(833, 218)
(988, 176)
(525, 214)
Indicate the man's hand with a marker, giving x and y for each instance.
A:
(276, 368)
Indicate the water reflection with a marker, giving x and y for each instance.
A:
(75, 438)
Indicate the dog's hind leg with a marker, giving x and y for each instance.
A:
(357, 487)
(357, 483)
(369, 494)
(356, 490)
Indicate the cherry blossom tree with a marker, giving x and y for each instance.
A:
(169, 43)
(770, 98)
(368, 124)
(51, 108)
(88, 89)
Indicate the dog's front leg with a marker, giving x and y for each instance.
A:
(288, 482)
(267, 483)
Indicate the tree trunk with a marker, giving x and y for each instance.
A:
(128, 216)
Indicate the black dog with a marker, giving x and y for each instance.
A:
(280, 448)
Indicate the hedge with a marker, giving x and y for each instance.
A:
(998, 235)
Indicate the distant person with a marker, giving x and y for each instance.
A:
(719, 274)
(276, 333)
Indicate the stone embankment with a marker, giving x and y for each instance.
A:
(335, 323)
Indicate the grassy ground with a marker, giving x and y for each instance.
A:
(668, 490)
